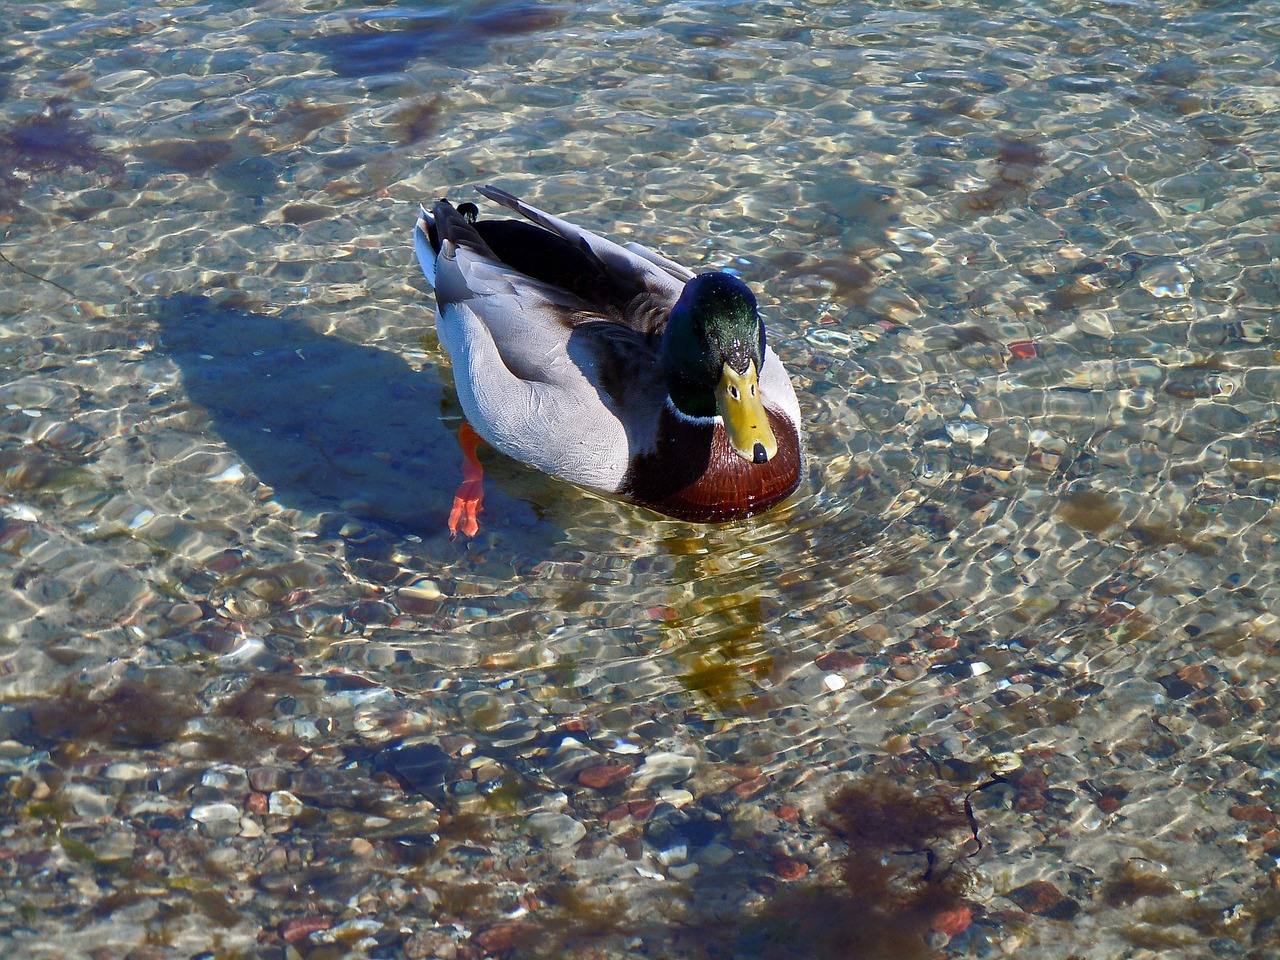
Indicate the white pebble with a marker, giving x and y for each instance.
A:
(285, 804)
(215, 812)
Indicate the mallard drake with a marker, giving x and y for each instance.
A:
(608, 365)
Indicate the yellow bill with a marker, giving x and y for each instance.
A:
(745, 420)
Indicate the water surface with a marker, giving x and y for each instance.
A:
(1021, 262)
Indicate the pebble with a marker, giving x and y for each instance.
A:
(297, 928)
(421, 767)
(215, 812)
(615, 813)
(355, 930)
(13, 750)
(222, 859)
(789, 868)
(422, 590)
(127, 771)
(604, 776)
(115, 845)
(1044, 898)
(751, 788)
(1252, 813)
(1197, 675)
(267, 779)
(184, 613)
(557, 829)
(250, 828)
(664, 766)
(285, 804)
(433, 944)
(838, 660)
(642, 810)
(89, 803)
(216, 779)
(673, 855)
(1108, 803)
(504, 937)
(898, 744)
(953, 921)
(715, 855)
(684, 871)
(676, 797)
(968, 432)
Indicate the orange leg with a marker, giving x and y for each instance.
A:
(466, 502)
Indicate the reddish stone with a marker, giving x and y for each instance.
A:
(750, 788)
(642, 810)
(876, 633)
(1195, 674)
(605, 775)
(789, 868)
(1023, 349)
(954, 921)
(257, 802)
(1109, 804)
(503, 937)
(299, 927)
(839, 660)
(614, 814)
(1028, 801)
(1253, 813)
(225, 562)
(414, 605)
(1031, 779)
(787, 812)
(1039, 896)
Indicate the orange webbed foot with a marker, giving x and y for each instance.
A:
(467, 501)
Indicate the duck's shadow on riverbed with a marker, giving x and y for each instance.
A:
(333, 427)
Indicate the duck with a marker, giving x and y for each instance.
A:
(606, 365)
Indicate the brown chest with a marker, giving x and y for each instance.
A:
(694, 474)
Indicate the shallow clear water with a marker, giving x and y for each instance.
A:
(1021, 263)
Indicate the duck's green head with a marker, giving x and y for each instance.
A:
(713, 350)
